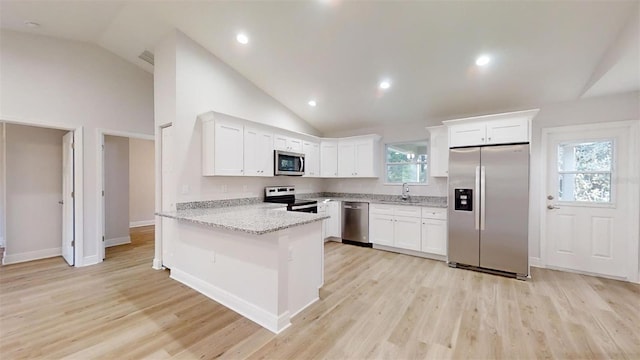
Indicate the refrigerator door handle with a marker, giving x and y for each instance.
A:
(476, 200)
(482, 196)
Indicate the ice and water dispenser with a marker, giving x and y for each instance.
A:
(464, 199)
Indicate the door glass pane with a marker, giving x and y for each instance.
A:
(585, 187)
(586, 156)
(585, 171)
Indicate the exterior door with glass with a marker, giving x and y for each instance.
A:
(587, 191)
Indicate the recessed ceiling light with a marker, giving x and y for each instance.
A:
(483, 60)
(385, 85)
(242, 38)
(31, 24)
(312, 103)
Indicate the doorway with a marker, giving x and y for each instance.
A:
(589, 223)
(38, 183)
(126, 186)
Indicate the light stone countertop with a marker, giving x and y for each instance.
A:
(384, 202)
(256, 219)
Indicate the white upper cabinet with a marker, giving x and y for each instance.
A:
(237, 147)
(223, 147)
(357, 156)
(329, 158)
(467, 134)
(504, 128)
(439, 151)
(286, 143)
(258, 152)
(311, 150)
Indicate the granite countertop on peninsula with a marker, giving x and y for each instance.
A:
(256, 219)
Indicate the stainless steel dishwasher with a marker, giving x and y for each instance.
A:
(355, 223)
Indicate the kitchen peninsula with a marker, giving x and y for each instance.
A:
(258, 260)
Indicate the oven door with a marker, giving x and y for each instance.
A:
(309, 208)
(288, 163)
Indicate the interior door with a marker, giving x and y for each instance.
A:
(168, 196)
(67, 199)
(587, 207)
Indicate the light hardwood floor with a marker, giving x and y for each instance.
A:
(374, 304)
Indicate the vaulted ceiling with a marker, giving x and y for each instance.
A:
(337, 52)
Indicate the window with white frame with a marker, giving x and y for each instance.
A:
(585, 171)
(407, 162)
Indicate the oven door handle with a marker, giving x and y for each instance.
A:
(301, 207)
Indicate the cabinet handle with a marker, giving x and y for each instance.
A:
(482, 139)
(489, 139)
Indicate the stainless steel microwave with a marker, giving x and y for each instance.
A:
(288, 163)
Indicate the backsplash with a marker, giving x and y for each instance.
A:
(380, 197)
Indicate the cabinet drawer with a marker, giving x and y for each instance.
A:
(434, 213)
(381, 209)
(410, 211)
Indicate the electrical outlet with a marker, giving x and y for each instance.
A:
(185, 189)
(213, 257)
(224, 188)
(290, 257)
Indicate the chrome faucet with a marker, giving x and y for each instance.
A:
(405, 192)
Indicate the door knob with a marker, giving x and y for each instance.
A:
(61, 202)
(551, 207)
(549, 197)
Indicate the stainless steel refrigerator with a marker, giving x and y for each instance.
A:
(489, 208)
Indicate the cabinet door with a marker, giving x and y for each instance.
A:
(265, 153)
(434, 236)
(229, 149)
(439, 157)
(312, 158)
(280, 142)
(294, 145)
(406, 232)
(381, 229)
(508, 131)
(346, 159)
(335, 223)
(364, 165)
(208, 149)
(329, 159)
(467, 134)
(258, 153)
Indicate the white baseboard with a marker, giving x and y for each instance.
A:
(31, 255)
(142, 223)
(90, 260)
(535, 262)
(157, 264)
(117, 241)
(1, 241)
(411, 252)
(271, 322)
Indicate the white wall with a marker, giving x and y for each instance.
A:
(2, 185)
(390, 134)
(116, 190)
(189, 81)
(34, 188)
(69, 84)
(141, 182)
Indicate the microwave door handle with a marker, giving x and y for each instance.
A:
(301, 164)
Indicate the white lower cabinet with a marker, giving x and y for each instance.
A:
(409, 227)
(406, 233)
(322, 210)
(334, 223)
(434, 236)
(381, 229)
(389, 225)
